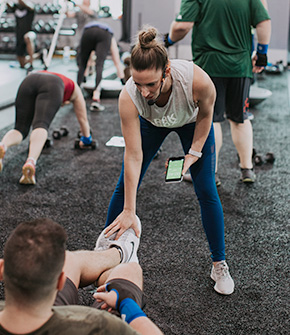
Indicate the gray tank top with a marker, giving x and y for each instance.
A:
(180, 108)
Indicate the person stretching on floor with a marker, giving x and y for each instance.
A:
(39, 97)
(42, 280)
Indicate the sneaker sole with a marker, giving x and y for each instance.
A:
(217, 290)
(2, 152)
(28, 175)
(248, 180)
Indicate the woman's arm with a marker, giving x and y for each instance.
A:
(132, 165)
(204, 95)
(80, 110)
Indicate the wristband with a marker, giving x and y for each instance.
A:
(194, 153)
(170, 40)
(130, 310)
(262, 48)
(86, 140)
(167, 41)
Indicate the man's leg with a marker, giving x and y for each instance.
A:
(242, 135)
(85, 267)
(116, 58)
(128, 271)
(241, 127)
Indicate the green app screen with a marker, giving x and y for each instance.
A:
(174, 169)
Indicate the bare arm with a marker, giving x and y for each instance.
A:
(204, 93)
(145, 326)
(132, 165)
(116, 58)
(263, 30)
(80, 110)
(179, 30)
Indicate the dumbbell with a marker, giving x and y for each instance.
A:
(48, 143)
(259, 160)
(92, 146)
(270, 158)
(58, 133)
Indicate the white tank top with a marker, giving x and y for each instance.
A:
(180, 108)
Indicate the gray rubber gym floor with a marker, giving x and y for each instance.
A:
(74, 188)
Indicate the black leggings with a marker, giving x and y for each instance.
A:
(39, 97)
(98, 39)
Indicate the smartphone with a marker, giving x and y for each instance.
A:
(174, 170)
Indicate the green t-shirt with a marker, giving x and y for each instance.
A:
(80, 320)
(221, 36)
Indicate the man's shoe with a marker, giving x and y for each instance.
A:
(2, 154)
(217, 180)
(28, 173)
(128, 243)
(96, 107)
(248, 176)
(224, 283)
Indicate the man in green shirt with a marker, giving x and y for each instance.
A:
(221, 45)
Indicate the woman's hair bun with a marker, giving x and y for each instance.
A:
(147, 37)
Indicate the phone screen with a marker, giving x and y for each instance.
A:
(174, 169)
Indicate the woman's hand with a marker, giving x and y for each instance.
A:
(127, 219)
(188, 161)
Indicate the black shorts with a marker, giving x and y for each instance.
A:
(232, 99)
(69, 294)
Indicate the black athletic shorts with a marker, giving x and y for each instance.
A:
(232, 101)
(69, 294)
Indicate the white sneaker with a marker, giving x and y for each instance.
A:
(96, 107)
(128, 243)
(224, 283)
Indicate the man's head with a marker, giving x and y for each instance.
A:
(33, 259)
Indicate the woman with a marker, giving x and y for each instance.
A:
(161, 97)
(98, 37)
(38, 99)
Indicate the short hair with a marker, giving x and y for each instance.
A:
(33, 259)
(149, 52)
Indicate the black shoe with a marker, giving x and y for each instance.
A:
(248, 176)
